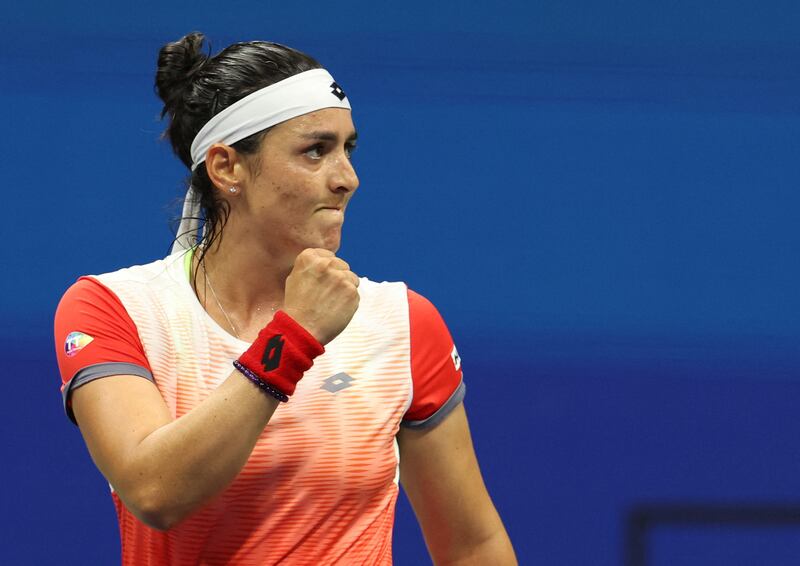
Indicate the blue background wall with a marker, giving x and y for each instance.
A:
(601, 198)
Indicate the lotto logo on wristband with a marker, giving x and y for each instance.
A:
(272, 353)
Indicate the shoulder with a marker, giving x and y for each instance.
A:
(377, 291)
(110, 294)
(166, 271)
(108, 307)
(382, 305)
(378, 298)
(100, 303)
(423, 315)
(370, 290)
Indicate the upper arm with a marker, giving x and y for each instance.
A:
(107, 383)
(439, 471)
(115, 414)
(440, 474)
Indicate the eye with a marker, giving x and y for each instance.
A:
(315, 151)
(349, 149)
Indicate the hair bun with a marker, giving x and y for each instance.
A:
(178, 62)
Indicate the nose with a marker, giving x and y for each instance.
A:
(343, 177)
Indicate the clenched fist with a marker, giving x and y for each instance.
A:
(321, 293)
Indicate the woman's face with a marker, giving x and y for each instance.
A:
(299, 186)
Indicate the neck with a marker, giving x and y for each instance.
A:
(248, 283)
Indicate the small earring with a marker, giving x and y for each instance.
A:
(233, 190)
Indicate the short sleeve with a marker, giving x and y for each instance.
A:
(95, 337)
(438, 385)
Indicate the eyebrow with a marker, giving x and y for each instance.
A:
(328, 136)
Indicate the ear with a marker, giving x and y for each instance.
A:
(224, 166)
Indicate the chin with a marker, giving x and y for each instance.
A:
(331, 241)
(332, 246)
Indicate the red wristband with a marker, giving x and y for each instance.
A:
(281, 354)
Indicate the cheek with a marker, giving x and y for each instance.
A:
(283, 198)
(289, 206)
(288, 197)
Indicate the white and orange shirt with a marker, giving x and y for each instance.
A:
(321, 483)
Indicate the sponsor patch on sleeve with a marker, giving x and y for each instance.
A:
(75, 342)
(456, 358)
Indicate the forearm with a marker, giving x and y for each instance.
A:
(476, 535)
(183, 464)
(495, 550)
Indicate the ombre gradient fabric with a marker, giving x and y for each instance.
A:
(321, 484)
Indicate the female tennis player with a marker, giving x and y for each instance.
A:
(249, 398)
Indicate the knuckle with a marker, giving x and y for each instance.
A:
(318, 264)
(305, 258)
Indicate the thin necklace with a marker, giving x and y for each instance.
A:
(214, 293)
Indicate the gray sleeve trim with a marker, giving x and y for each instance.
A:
(97, 371)
(454, 401)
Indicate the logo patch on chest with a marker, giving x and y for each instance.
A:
(337, 382)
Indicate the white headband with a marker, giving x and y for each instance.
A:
(297, 95)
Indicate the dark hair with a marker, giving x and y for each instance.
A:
(195, 86)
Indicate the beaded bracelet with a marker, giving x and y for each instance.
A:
(262, 385)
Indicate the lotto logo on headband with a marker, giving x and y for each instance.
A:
(337, 91)
(75, 342)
